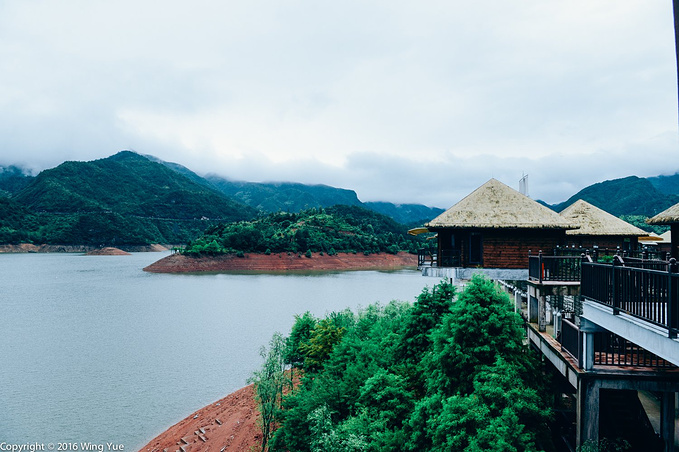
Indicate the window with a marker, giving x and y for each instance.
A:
(475, 249)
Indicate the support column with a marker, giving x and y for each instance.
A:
(587, 424)
(587, 351)
(667, 420)
(533, 295)
(542, 314)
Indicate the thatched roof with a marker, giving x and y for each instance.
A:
(495, 205)
(594, 221)
(668, 216)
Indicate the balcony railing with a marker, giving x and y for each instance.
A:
(447, 258)
(613, 350)
(554, 268)
(571, 339)
(648, 294)
(605, 254)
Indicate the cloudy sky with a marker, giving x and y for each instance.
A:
(402, 101)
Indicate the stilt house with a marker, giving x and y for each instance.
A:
(670, 217)
(598, 228)
(495, 227)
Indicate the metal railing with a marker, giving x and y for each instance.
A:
(648, 294)
(605, 254)
(447, 258)
(571, 339)
(554, 268)
(613, 350)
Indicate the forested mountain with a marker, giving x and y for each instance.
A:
(13, 179)
(129, 198)
(127, 183)
(125, 199)
(668, 185)
(284, 196)
(269, 197)
(627, 196)
(409, 214)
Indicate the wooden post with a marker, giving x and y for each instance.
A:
(672, 308)
(614, 280)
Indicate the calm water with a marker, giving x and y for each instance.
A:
(93, 349)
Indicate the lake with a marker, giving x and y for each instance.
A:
(95, 350)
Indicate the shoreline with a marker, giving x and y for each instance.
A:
(227, 425)
(282, 262)
(23, 248)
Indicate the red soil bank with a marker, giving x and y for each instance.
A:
(178, 263)
(108, 251)
(228, 425)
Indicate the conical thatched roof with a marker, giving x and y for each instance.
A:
(594, 221)
(495, 205)
(668, 216)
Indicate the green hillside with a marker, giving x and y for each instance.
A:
(668, 185)
(284, 196)
(269, 197)
(331, 230)
(13, 179)
(125, 199)
(627, 196)
(409, 214)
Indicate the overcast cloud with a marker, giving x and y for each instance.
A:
(401, 101)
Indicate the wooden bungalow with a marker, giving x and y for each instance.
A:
(671, 218)
(598, 228)
(495, 227)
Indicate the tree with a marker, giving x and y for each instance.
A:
(299, 334)
(481, 326)
(270, 381)
(325, 335)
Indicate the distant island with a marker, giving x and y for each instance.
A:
(336, 238)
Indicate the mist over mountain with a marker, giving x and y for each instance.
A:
(129, 198)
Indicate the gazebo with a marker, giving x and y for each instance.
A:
(670, 217)
(496, 227)
(598, 228)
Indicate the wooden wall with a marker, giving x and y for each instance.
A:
(503, 248)
(509, 248)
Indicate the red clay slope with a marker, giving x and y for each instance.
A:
(228, 425)
(178, 263)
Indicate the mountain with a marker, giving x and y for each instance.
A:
(284, 196)
(409, 214)
(668, 185)
(626, 196)
(13, 179)
(124, 199)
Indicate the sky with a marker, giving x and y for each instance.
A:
(401, 101)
